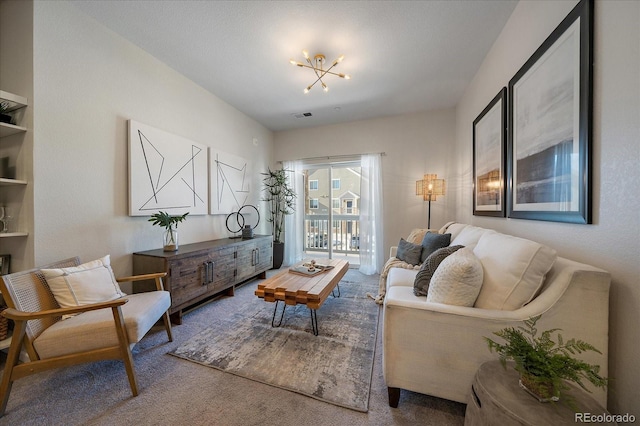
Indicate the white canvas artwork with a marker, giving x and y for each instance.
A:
(166, 173)
(230, 186)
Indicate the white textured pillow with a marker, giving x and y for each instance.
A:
(457, 280)
(514, 270)
(91, 282)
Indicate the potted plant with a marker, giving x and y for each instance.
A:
(170, 223)
(281, 202)
(544, 364)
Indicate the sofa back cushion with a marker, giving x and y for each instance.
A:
(514, 270)
(468, 236)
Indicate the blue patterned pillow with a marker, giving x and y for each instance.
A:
(431, 263)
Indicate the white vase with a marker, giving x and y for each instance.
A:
(170, 240)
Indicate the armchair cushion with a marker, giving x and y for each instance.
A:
(95, 329)
(91, 282)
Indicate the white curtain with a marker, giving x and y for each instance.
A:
(371, 221)
(294, 224)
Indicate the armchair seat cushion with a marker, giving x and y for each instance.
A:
(95, 329)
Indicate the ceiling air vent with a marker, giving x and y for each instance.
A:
(302, 114)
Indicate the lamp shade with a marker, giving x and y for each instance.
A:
(430, 187)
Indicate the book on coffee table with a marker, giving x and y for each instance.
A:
(309, 269)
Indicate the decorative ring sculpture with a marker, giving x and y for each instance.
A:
(240, 216)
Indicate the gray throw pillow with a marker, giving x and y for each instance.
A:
(431, 263)
(409, 252)
(432, 242)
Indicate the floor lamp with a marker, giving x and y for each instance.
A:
(429, 187)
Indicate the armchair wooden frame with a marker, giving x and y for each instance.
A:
(29, 325)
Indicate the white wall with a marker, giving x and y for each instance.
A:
(414, 144)
(88, 82)
(612, 242)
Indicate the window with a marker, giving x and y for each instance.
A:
(313, 185)
(313, 203)
(335, 183)
(335, 203)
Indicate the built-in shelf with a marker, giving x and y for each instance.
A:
(13, 102)
(7, 129)
(10, 182)
(13, 234)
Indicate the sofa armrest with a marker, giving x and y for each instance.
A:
(393, 251)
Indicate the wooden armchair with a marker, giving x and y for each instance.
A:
(106, 330)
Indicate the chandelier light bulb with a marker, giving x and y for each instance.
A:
(317, 66)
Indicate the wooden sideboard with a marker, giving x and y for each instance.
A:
(200, 270)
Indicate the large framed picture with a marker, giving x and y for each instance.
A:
(489, 146)
(550, 109)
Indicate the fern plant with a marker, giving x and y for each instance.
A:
(544, 364)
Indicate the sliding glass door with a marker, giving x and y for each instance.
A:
(332, 209)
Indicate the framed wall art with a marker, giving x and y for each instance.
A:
(489, 149)
(230, 186)
(166, 173)
(550, 109)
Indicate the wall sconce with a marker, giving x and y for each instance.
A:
(430, 187)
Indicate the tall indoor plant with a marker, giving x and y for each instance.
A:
(170, 223)
(544, 364)
(280, 199)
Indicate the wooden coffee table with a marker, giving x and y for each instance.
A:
(294, 289)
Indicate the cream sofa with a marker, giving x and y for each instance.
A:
(435, 349)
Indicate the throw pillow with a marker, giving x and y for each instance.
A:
(91, 282)
(409, 252)
(432, 242)
(424, 275)
(514, 270)
(457, 281)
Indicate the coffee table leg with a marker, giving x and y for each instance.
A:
(273, 319)
(314, 321)
(333, 291)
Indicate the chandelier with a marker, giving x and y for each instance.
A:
(317, 66)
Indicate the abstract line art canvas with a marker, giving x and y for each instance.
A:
(230, 182)
(166, 172)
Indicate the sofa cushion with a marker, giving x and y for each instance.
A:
(453, 228)
(409, 252)
(458, 280)
(514, 270)
(432, 242)
(469, 236)
(431, 263)
(91, 282)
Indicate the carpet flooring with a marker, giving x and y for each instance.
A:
(176, 392)
(334, 366)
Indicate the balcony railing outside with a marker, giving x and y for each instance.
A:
(345, 233)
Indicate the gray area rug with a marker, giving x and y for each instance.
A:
(335, 366)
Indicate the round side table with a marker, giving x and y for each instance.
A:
(496, 398)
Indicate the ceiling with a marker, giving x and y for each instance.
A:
(403, 56)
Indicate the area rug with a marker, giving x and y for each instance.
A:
(335, 366)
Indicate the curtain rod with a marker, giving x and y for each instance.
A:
(335, 157)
